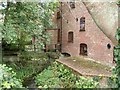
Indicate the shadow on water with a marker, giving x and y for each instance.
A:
(29, 82)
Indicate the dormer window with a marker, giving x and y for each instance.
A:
(82, 24)
(72, 4)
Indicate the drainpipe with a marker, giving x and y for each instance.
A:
(61, 29)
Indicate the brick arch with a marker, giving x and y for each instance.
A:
(66, 54)
(83, 49)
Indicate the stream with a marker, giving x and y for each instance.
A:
(29, 82)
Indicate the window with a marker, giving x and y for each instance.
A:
(70, 37)
(108, 46)
(58, 15)
(72, 4)
(82, 24)
(83, 49)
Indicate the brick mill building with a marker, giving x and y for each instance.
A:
(78, 35)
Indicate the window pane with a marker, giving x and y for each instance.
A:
(82, 24)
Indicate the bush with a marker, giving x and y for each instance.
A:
(8, 78)
(53, 55)
(58, 76)
(117, 56)
(112, 81)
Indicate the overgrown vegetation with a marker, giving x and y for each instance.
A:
(112, 81)
(28, 69)
(90, 64)
(26, 24)
(28, 66)
(24, 21)
(117, 57)
(8, 78)
(117, 53)
(58, 76)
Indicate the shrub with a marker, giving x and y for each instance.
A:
(58, 76)
(8, 78)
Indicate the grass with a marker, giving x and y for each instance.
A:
(89, 64)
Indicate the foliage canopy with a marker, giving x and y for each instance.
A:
(58, 76)
(26, 20)
(8, 78)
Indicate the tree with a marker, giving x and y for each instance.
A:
(26, 20)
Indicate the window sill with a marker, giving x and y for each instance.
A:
(70, 42)
(81, 30)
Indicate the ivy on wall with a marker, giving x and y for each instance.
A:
(117, 57)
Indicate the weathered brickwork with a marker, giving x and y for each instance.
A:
(93, 37)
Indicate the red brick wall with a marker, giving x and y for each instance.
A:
(95, 39)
